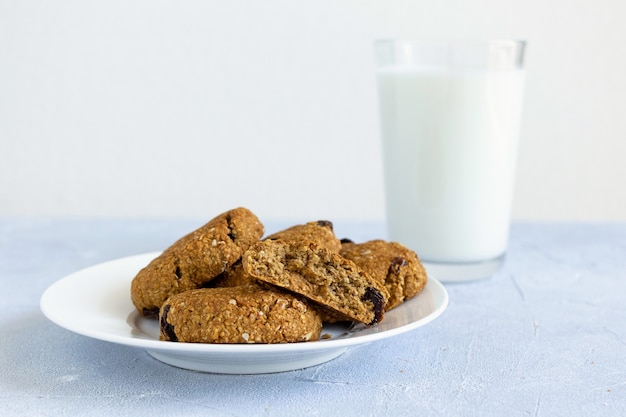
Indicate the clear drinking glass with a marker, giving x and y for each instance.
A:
(450, 117)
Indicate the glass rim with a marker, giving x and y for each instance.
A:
(450, 42)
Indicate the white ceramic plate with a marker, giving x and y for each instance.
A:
(95, 302)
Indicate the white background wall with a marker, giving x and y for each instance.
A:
(189, 108)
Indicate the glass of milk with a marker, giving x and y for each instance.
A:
(450, 120)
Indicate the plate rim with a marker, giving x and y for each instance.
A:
(226, 348)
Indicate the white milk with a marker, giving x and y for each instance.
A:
(450, 142)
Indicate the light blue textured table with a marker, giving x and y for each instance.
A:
(546, 336)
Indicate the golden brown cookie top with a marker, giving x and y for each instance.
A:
(319, 232)
(238, 315)
(195, 258)
(208, 250)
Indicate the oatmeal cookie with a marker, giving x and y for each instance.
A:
(391, 263)
(319, 232)
(320, 275)
(195, 259)
(238, 315)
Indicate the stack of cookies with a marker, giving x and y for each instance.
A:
(225, 283)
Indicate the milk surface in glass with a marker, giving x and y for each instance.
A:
(449, 142)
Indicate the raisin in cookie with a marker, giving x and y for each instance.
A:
(238, 315)
(195, 259)
(391, 263)
(320, 275)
